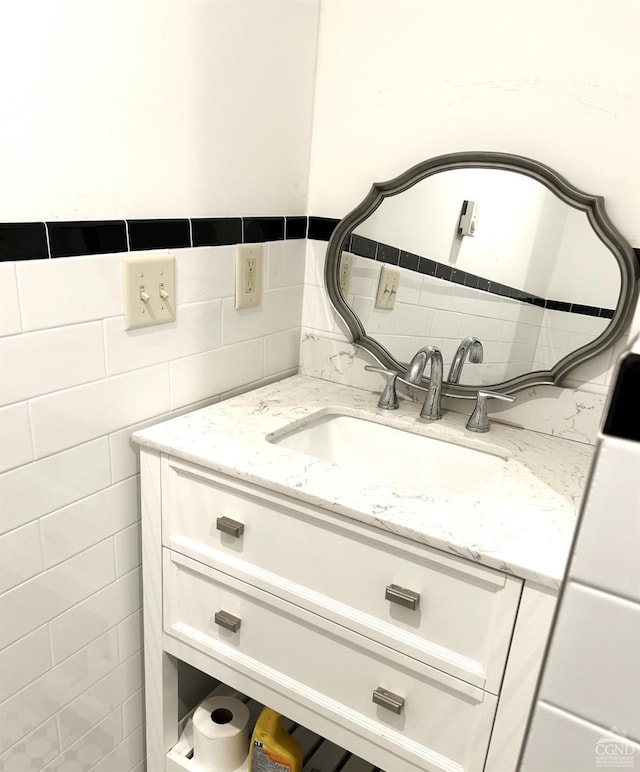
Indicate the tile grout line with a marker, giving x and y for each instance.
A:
(605, 594)
(46, 233)
(16, 273)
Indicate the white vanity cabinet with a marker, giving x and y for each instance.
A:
(409, 657)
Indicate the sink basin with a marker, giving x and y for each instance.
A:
(426, 463)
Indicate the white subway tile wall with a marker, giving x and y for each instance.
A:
(193, 378)
(133, 712)
(100, 699)
(589, 614)
(74, 386)
(198, 330)
(24, 661)
(32, 490)
(586, 714)
(61, 357)
(70, 417)
(43, 597)
(20, 556)
(16, 445)
(10, 322)
(54, 293)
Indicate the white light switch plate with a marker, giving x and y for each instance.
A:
(248, 275)
(149, 288)
(387, 287)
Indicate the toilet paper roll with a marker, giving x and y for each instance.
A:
(220, 734)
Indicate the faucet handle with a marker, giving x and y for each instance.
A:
(479, 419)
(495, 395)
(388, 399)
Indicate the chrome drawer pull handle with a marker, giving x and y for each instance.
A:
(389, 700)
(402, 596)
(227, 620)
(232, 527)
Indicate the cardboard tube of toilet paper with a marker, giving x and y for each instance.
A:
(220, 734)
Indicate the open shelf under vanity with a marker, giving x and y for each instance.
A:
(319, 754)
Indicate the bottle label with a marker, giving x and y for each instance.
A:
(263, 760)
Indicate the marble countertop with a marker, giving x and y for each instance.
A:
(522, 523)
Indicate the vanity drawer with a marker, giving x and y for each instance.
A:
(343, 570)
(443, 722)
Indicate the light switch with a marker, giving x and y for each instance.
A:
(468, 219)
(387, 287)
(149, 287)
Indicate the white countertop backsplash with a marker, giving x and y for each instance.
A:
(523, 525)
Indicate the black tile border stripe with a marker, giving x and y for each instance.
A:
(296, 227)
(321, 228)
(70, 239)
(216, 231)
(57, 239)
(23, 241)
(385, 253)
(159, 234)
(259, 229)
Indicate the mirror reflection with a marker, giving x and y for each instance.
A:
(488, 258)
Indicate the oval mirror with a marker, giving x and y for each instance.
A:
(489, 257)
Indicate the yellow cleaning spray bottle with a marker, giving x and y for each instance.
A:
(273, 749)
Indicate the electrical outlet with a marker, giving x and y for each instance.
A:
(248, 275)
(346, 266)
(387, 287)
(149, 290)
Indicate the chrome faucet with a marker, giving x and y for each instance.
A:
(431, 408)
(471, 346)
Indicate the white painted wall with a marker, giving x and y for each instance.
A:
(129, 108)
(399, 82)
(155, 108)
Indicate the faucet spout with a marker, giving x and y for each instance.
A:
(470, 346)
(431, 409)
(416, 366)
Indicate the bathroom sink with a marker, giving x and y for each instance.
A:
(415, 460)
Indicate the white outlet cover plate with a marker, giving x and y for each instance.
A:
(155, 274)
(248, 280)
(346, 267)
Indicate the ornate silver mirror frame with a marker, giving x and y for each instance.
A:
(592, 206)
